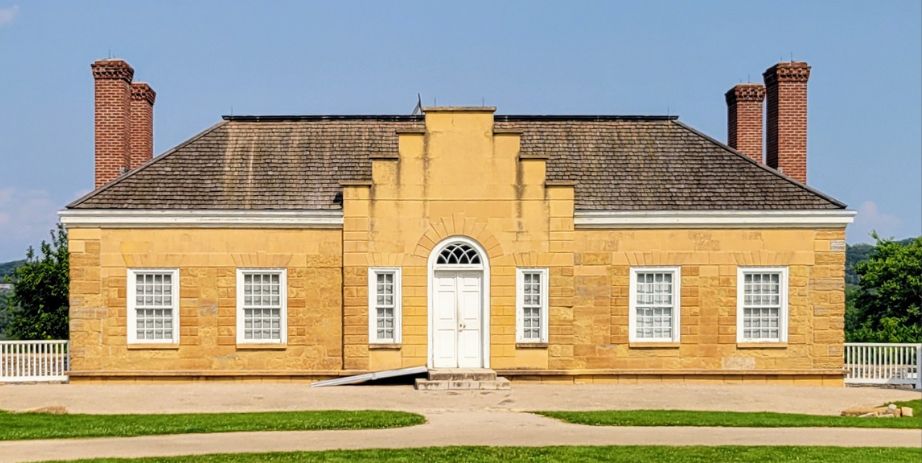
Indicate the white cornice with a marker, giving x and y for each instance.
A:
(86, 218)
(91, 218)
(713, 219)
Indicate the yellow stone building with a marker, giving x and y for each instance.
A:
(546, 248)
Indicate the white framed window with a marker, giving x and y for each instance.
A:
(531, 311)
(384, 314)
(762, 304)
(153, 306)
(262, 306)
(654, 308)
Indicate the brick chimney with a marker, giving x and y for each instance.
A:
(744, 119)
(141, 143)
(124, 130)
(786, 114)
(113, 114)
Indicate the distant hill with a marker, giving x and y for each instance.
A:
(855, 253)
(7, 268)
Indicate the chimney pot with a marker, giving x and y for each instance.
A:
(112, 69)
(142, 91)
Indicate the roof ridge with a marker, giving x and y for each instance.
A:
(583, 117)
(153, 160)
(762, 166)
(321, 117)
(419, 118)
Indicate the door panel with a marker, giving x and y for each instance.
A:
(445, 323)
(469, 341)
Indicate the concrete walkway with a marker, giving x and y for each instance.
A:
(242, 397)
(454, 418)
(452, 428)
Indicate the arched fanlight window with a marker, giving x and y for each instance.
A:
(458, 254)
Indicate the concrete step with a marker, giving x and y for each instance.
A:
(498, 384)
(462, 374)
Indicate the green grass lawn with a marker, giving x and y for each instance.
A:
(630, 454)
(734, 419)
(16, 426)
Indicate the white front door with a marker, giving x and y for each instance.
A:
(457, 324)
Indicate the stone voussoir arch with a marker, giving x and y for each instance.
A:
(439, 229)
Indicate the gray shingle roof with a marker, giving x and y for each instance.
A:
(292, 163)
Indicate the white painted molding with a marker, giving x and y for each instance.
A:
(91, 218)
(713, 219)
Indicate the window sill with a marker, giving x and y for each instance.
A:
(153, 346)
(653, 345)
(761, 345)
(256, 346)
(385, 346)
(531, 345)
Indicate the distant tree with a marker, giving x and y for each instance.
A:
(853, 316)
(887, 303)
(3, 315)
(855, 254)
(7, 268)
(37, 307)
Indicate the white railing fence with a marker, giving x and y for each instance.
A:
(865, 362)
(30, 361)
(883, 363)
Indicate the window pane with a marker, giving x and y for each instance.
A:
(531, 323)
(385, 324)
(762, 306)
(458, 253)
(153, 305)
(262, 306)
(262, 290)
(654, 305)
(262, 324)
(154, 324)
(532, 305)
(385, 303)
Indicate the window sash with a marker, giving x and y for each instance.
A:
(532, 305)
(762, 304)
(262, 290)
(262, 306)
(384, 317)
(654, 305)
(153, 306)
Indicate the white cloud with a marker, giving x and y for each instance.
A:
(8, 14)
(26, 217)
(871, 218)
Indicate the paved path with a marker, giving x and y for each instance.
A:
(454, 418)
(452, 428)
(227, 397)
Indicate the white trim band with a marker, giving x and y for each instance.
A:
(713, 219)
(87, 218)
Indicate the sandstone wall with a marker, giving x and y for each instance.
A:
(207, 260)
(593, 333)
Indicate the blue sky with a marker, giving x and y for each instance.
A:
(205, 59)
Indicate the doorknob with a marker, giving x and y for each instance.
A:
(461, 325)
